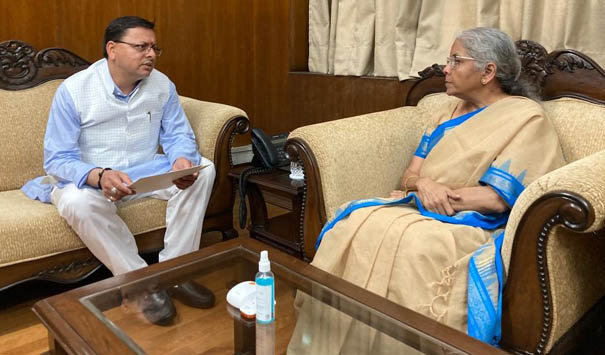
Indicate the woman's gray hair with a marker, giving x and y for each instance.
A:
(492, 45)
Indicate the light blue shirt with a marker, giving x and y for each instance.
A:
(62, 158)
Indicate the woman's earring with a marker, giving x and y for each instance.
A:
(483, 82)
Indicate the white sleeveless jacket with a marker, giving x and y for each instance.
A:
(114, 133)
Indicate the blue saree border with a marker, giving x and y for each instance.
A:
(508, 186)
(427, 143)
(355, 205)
(470, 218)
(484, 314)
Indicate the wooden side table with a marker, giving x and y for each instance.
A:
(284, 231)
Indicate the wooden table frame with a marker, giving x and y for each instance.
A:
(73, 329)
(285, 231)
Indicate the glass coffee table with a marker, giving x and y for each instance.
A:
(97, 319)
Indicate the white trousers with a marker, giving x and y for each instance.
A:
(94, 218)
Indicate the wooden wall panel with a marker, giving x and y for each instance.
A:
(271, 66)
(205, 43)
(207, 49)
(31, 21)
(208, 44)
(81, 24)
(299, 35)
(316, 98)
(237, 52)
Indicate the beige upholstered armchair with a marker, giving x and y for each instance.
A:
(36, 242)
(555, 239)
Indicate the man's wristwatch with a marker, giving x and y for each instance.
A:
(100, 176)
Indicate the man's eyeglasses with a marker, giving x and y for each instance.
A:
(143, 47)
(455, 60)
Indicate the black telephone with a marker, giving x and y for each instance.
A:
(268, 154)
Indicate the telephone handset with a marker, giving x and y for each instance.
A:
(268, 154)
(269, 151)
(265, 154)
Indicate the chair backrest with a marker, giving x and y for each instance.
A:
(28, 81)
(571, 85)
(580, 126)
(561, 73)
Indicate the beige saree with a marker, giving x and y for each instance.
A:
(416, 260)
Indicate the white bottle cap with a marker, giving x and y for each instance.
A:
(263, 264)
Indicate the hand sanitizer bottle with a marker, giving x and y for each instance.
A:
(265, 307)
(265, 291)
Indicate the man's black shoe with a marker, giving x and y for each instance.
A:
(193, 294)
(157, 307)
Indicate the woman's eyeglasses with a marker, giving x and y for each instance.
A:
(143, 47)
(455, 60)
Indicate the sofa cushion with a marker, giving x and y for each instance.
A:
(580, 126)
(30, 230)
(22, 127)
(436, 100)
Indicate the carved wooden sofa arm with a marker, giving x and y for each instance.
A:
(556, 262)
(358, 157)
(215, 126)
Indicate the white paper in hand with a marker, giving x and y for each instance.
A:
(161, 181)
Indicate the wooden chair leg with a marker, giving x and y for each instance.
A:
(54, 347)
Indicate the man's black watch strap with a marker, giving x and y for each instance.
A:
(100, 176)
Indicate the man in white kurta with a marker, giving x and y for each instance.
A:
(105, 127)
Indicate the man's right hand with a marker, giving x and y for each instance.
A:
(113, 183)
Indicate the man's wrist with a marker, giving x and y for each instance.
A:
(101, 172)
(181, 163)
(93, 176)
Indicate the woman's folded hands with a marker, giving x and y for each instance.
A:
(436, 197)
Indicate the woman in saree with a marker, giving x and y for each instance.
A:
(434, 245)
